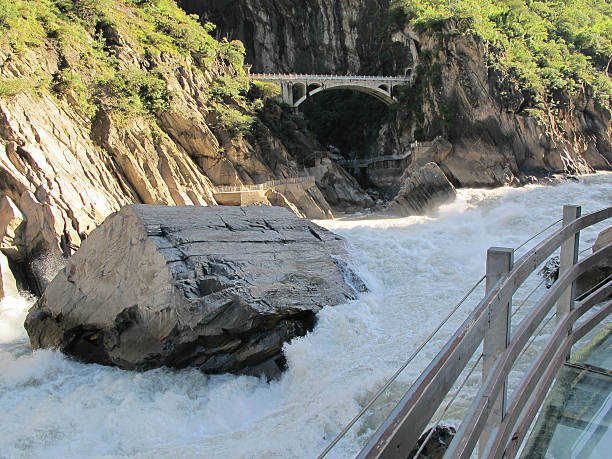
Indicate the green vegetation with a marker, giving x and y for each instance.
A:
(10, 87)
(133, 92)
(264, 90)
(550, 46)
(117, 55)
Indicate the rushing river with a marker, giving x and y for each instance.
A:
(416, 268)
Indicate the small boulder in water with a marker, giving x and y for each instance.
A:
(436, 446)
(423, 189)
(550, 271)
(218, 288)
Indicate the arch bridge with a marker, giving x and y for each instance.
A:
(296, 88)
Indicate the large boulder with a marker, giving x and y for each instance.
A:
(219, 288)
(602, 270)
(423, 189)
(603, 239)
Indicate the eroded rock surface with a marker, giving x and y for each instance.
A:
(603, 239)
(219, 288)
(422, 189)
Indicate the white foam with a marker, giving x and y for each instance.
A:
(416, 268)
(12, 314)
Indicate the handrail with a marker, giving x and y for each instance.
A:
(400, 432)
(375, 159)
(543, 363)
(299, 76)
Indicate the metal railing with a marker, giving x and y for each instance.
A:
(265, 185)
(377, 159)
(421, 144)
(496, 424)
(300, 76)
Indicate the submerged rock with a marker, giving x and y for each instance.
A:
(422, 189)
(219, 288)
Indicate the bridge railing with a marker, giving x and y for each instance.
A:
(300, 76)
(499, 425)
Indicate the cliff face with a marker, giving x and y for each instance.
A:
(308, 36)
(456, 94)
(496, 139)
(75, 147)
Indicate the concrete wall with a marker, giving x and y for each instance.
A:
(241, 198)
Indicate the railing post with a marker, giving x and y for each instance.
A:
(500, 261)
(567, 258)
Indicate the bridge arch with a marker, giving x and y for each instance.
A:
(382, 95)
(299, 90)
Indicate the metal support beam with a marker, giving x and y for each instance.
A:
(500, 261)
(568, 258)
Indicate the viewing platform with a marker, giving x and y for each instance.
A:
(244, 195)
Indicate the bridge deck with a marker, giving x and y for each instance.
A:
(361, 163)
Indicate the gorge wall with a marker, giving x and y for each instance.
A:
(308, 36)
(482, 111)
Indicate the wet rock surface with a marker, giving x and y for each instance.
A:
(550, 271)
(218, 288)
(423, 189)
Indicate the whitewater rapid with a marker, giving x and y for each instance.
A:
(416, 269)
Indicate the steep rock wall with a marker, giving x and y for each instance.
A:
(483, 113)
(308, 36)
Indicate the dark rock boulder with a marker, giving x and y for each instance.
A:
(422, 190)
(219, 288)
(438, 442)
(550, 271)
(589, 280)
